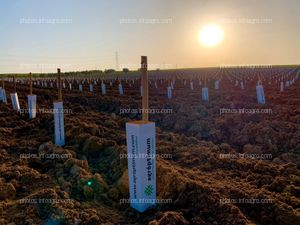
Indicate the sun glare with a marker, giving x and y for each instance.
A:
(211, 35)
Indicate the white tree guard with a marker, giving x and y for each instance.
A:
(260, 94)
(169, 92)
(15, 101)
(32, 106)
(121, 92)
(205, 96)
(1, 94)
(217, 85)
(103, 88)
(59, 129)
(4, 99)
(242, 85)
(141, 164)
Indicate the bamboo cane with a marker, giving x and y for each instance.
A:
(15, 86)
(30, 83)
(145, 100)
(59, 85)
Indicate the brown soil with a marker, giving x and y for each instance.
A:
(196, 178)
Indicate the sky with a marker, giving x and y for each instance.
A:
(75, 35)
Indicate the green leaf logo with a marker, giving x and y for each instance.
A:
(148, 190)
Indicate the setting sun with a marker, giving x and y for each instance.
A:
(211, 35)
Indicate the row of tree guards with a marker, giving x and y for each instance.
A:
(140, 135)
(284, 77)
(58, 105)
(32, 105)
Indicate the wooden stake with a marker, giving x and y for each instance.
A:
(59, 85)
(3, 83)
(145, 101)
(259, 79)
(15, 86)
(30, 83)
